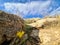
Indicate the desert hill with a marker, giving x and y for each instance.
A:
(48, 30)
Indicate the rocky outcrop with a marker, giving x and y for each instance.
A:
(9, 25)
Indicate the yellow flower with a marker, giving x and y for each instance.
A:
(20, 34)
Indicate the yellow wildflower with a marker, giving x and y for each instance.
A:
(20, 34)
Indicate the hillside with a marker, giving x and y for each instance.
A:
(48, 30)
(34, 31)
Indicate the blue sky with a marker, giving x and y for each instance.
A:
(31, 8)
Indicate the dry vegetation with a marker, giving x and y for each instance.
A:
(53, 24)
(50, 34)
(31, 20)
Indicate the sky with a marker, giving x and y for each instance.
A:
(31, 8)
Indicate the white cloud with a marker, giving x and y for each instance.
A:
(55, 12)
(28, 8)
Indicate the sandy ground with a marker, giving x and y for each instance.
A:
(50, 36)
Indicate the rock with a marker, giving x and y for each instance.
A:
(10, 24)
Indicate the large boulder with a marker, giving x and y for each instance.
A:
(9, 25)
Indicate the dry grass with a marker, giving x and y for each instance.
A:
(53, 24)
(31, 20)
(50, 35)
